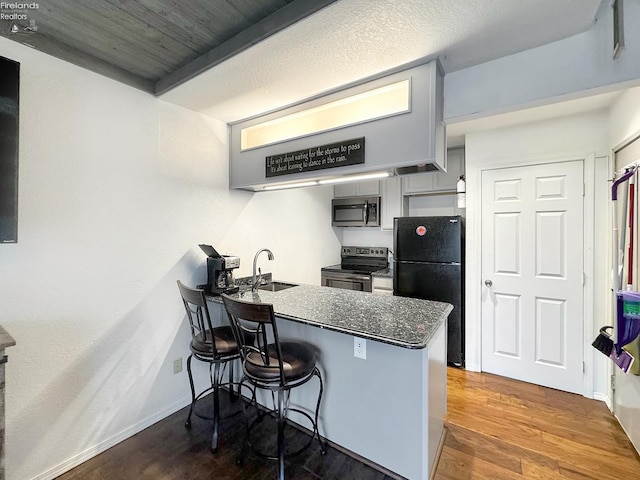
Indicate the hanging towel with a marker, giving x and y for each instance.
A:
(633, 349)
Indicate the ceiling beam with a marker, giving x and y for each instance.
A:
(277, 21)
(81, 59)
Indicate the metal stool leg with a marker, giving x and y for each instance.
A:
(252, 400)
(215, 384)
(193, 392)
(281, 423)
(233, 396)
(323, 446)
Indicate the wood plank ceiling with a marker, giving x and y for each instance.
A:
(153, 45)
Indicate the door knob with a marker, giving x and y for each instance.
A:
(488, 283)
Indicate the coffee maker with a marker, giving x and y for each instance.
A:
(219, 271)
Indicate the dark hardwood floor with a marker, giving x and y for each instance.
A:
(169, 451)
(498, 429)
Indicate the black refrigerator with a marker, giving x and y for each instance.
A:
(428, 263)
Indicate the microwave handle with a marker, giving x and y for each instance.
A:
(365, 212)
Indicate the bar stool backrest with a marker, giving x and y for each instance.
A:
(195, 304)
(256, 333)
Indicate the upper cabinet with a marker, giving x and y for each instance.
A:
(395, 191)
(365, 189)
(403, 129)
(394, 204)
(437, 182)
(446, 181)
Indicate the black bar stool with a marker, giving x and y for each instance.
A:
(275, 366)
(215, 346)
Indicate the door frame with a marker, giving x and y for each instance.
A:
(473, 263)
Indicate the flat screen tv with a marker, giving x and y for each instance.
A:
(9, 97)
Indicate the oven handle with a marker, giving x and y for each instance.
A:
(365, 212)
(347, 276)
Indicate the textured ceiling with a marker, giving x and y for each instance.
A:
(353, 39)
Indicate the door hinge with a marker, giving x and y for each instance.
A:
(613, 382)
(584, 189)
(584, 367)
(584, 278)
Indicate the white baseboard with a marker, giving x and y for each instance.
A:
(603, 397)
(91, 452)
(471, 366)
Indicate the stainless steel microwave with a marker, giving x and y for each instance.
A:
(355, 212)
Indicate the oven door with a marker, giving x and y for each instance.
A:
(347, 281)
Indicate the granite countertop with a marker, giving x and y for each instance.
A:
(401, 321)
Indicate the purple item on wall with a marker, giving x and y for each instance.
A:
(623, 360)
(628, 322)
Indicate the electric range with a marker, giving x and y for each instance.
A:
(355, 269)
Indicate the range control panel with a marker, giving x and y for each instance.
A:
(375, 252)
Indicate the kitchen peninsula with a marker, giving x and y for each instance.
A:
(388, 407)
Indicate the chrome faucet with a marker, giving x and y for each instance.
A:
(256, 279)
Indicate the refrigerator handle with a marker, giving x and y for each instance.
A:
(365, 212)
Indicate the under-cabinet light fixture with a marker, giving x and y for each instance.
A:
(373, 104)
(327, 181)
(282, 186)
(355, 178)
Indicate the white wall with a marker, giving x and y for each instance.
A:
(624, 122)
(573, 137)
(116, 190)
(569, 68)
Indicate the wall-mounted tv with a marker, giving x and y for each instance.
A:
(9, 97)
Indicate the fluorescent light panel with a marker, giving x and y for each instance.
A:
(290, 185)
(354, 178)
(311, 183)
(377, 103)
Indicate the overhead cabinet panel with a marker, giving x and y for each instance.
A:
(425, 183)
(408, 137)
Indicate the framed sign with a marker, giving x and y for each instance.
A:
(349, 152)
(9, 93)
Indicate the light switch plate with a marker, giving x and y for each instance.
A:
(360, 348)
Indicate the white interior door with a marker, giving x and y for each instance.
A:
(532, 266)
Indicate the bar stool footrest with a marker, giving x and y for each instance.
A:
(295, 453)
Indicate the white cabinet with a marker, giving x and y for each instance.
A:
(370, 188)
(437, 182)
(420, 183)
(392, 201)
(455, 168)
(344, 190)
(358, 189)
(382, 285)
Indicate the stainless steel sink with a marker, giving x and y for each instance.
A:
(276, 286)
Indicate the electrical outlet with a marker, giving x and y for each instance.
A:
(177, 365)
(360, 348)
